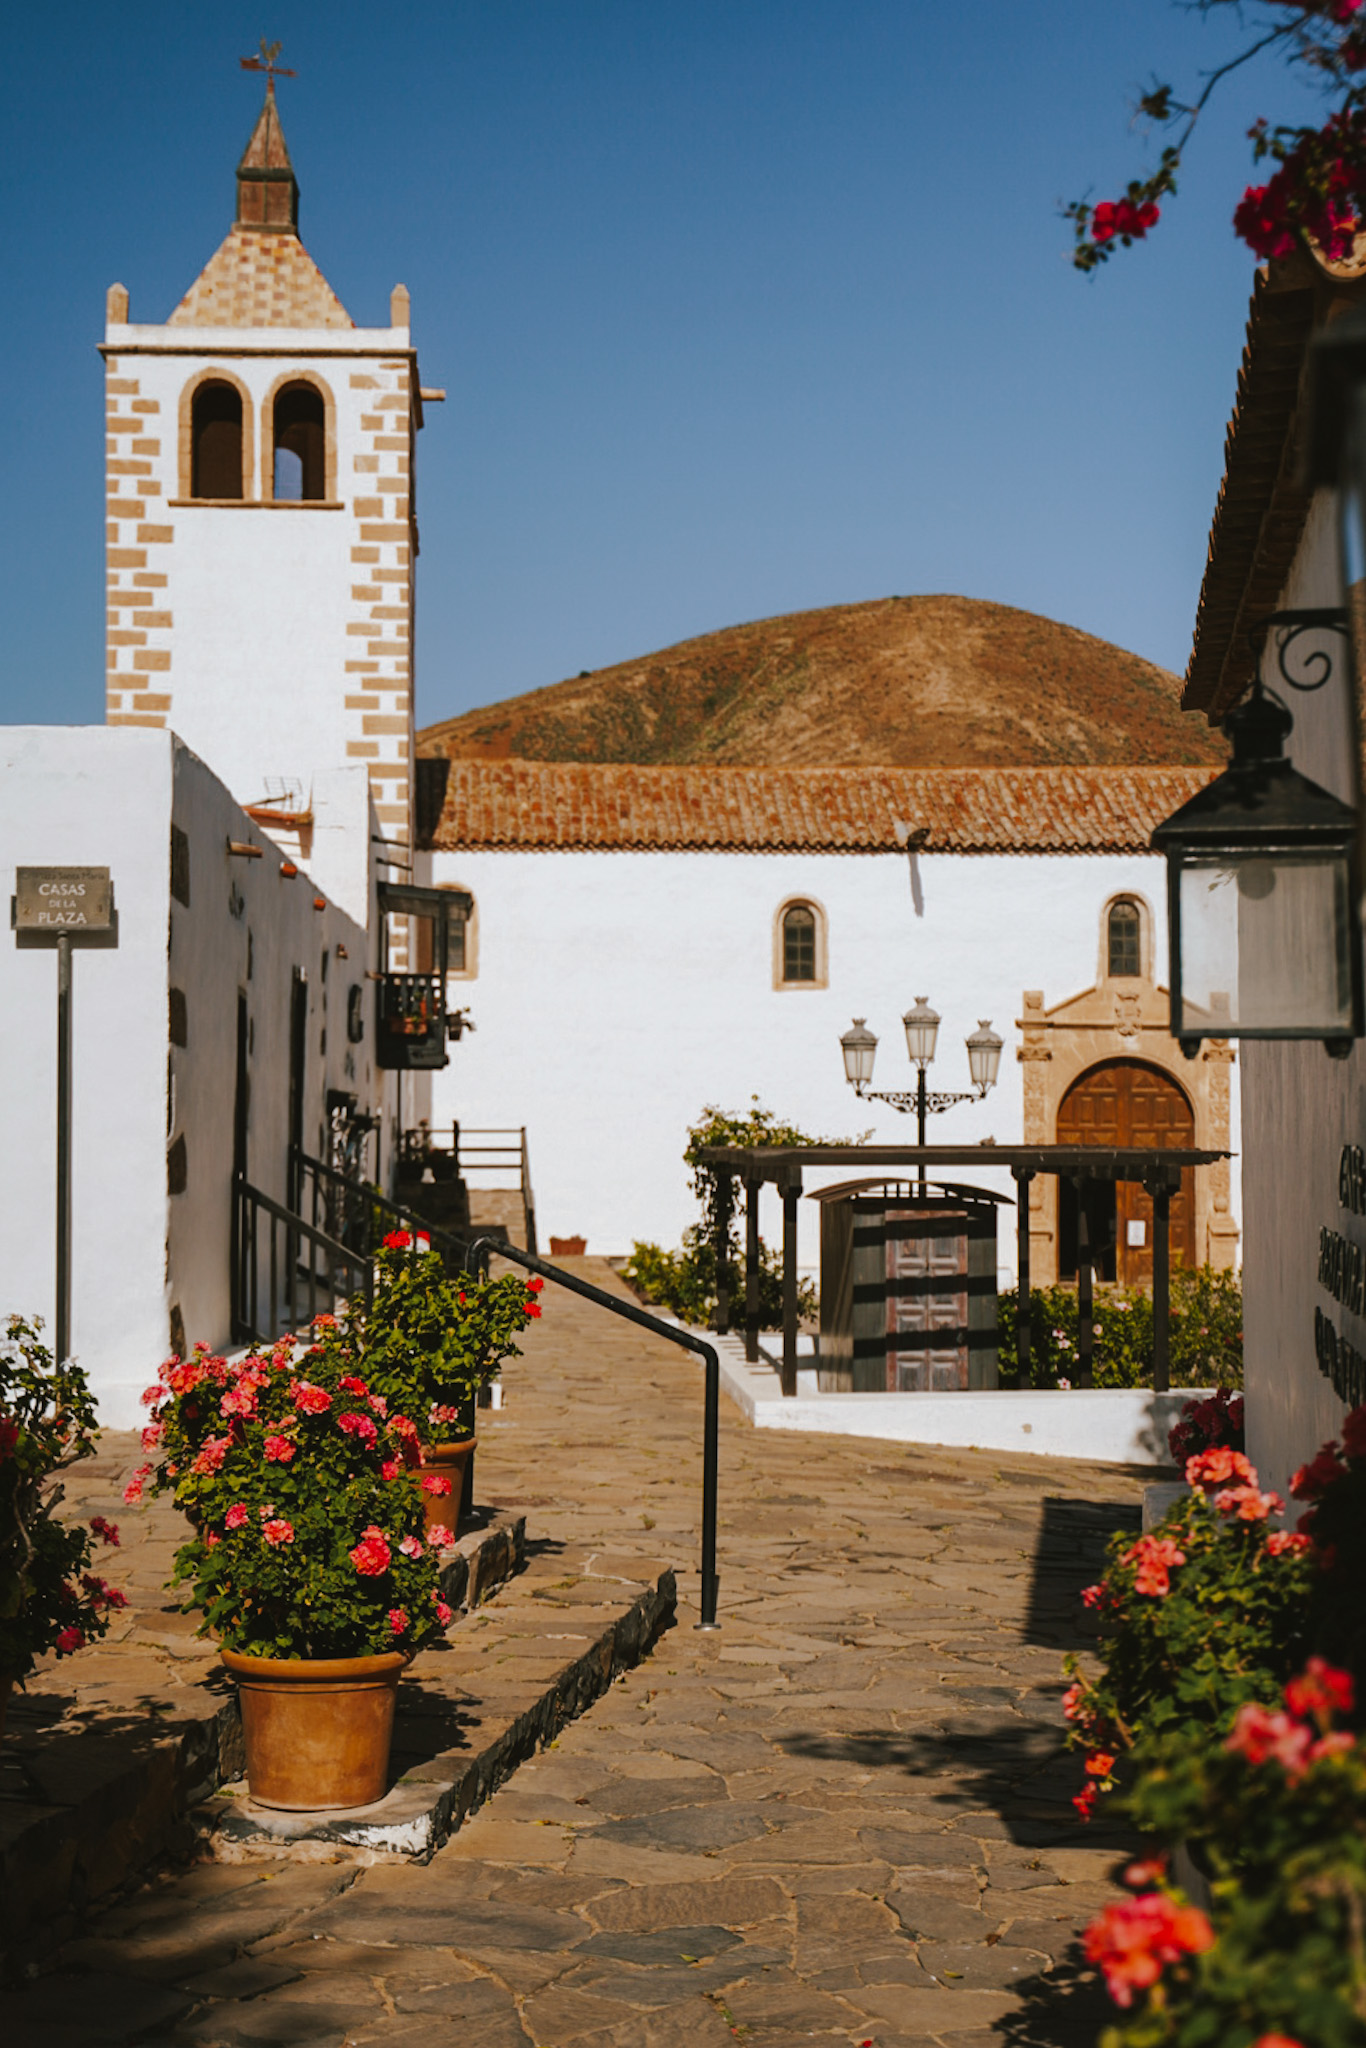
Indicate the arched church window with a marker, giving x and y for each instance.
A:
(216, 442)
(300, 444)
(799, 943)
(1124, 940)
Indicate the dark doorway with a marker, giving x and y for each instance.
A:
(298, 1054)
(241, 1101)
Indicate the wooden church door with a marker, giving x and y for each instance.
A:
(1128, 1103)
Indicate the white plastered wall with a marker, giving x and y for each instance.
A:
(107, 797)
(619, 993)
(1300, 1109)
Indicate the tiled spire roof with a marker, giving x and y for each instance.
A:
(262, 276)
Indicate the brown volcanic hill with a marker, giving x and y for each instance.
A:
(915, 682)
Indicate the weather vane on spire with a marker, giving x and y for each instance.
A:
(266, 62)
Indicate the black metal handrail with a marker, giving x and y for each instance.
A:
(477, 1254)
(345, 1271)
(363, 1209)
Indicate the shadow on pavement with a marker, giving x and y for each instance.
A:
(1072, 1552)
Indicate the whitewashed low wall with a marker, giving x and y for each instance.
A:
(1107, 1426)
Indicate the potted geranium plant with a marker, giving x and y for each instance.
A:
(309, 1559)
(49, 1598)
(429, 1344)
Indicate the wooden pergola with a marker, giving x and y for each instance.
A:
(1158, 1170)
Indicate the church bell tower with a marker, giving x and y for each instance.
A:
(261, 532)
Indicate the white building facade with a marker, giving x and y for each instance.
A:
(626, 963)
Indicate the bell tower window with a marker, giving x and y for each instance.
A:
(300, 417)
(216, 442)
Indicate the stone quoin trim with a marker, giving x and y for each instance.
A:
(136, 651)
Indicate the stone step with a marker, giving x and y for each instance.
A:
(473, 1708)
(92, 1791)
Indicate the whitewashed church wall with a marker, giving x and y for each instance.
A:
(618, 993)
(89, 797)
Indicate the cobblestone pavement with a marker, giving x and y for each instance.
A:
(843, 1818)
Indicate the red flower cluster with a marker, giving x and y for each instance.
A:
(1289, 1738)
(1133, 1942)
(372, 1554)
(310, 1400)
(9, 1437)
(1155, 1557)
(277, 1531)
(1204, 1425)
(1126, 218)
(1218, 1467)
(398, 1241)
(106, 1531)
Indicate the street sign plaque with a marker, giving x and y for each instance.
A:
(56, 900)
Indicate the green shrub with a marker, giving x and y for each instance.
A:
(1205, 1333)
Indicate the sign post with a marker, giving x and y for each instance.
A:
(54, 906)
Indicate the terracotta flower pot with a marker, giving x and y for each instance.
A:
(456, 1463)
(317, 1729)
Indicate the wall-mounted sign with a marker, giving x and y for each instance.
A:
(1342, 1273)
(63, 900)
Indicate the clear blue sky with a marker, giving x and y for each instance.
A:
(743, 306)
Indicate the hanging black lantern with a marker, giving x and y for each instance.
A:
(1263, 890)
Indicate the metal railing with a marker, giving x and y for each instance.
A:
(477, 1254)
(301, 1267)
(360, 1217)
(500, 1151)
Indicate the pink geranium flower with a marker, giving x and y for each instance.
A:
(279, 1449)
(238, 1514)
(372, 1555)
(70, 1639)
(436, 1483)
(1133, 1941)
(278, 1531)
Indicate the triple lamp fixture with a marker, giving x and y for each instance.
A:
(859, 1047)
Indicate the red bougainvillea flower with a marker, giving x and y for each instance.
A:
(278, 1531)
(237, 1516)
(279, 1450)
(1155, 1557)
(398, 1241)
(1123, 217)
(1320, 1689)
(70, 1639)
(444, 1614)
(358, 1425)
(436, 1483)
(106, 1531)
(1324, 1469)
(1354, 1434)
(212, 1454)
(1283, 1541)
(308, 1399)
(1218, 1467)
(1133, 1942)
(439, 1537)
(372, 1554)
(101, 1592)
(398, 1620)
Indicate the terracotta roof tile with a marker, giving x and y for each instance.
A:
(516, 804)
